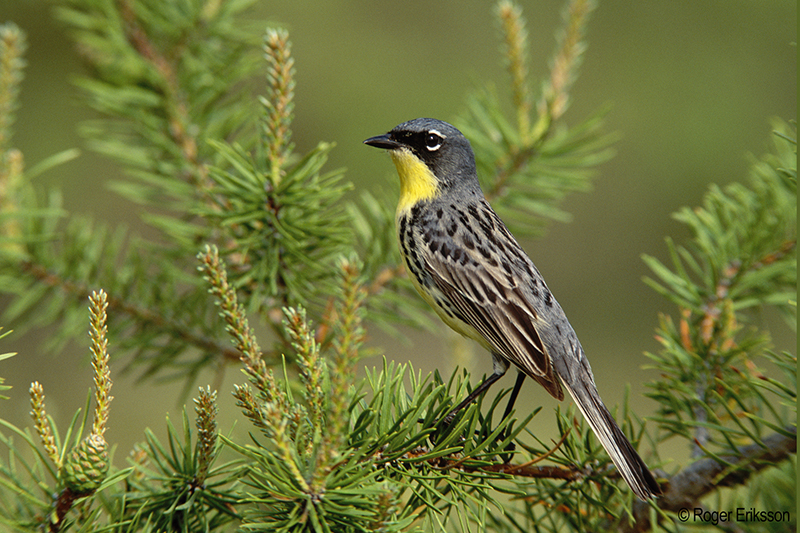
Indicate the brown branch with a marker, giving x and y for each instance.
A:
(532, 471)
(684, 489)
(681, 491)
(526, 469)
(142, 315)
(65, 501)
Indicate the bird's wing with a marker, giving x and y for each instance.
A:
(482, 283)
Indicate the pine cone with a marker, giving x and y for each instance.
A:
(87, 466)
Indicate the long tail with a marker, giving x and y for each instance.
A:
(629, 464)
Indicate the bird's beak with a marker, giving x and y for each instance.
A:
(383, 141)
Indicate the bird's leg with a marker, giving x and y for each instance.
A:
(483, 387)
(500, 370)
(499, 367)
(514, 393)
(509, 406)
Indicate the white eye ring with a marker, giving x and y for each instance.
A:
(433, 140)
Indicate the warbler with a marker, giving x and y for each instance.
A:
(467, 266)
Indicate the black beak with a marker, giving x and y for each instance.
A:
(383, 141)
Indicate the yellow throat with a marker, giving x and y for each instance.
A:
(417, 182)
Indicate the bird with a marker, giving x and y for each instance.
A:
(468, 267)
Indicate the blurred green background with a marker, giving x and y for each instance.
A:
(692, 87)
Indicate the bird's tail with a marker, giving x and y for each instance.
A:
(629, 464)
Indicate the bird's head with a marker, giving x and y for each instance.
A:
(432, 158)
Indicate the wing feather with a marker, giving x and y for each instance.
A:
(493, 303)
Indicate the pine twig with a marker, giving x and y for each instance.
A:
(12, 48)
(98, 330)
(278, 104)
(555, 97)
(206, 409)
(238, 326)
(42, 424)
(516, 42)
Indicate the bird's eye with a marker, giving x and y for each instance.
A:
(433, 141)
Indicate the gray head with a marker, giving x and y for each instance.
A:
(440, 146)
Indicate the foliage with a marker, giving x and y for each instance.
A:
(278, 244)
(530, 163)
(741, 258)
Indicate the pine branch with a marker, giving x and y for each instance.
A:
(711, 392)
(742, 255)
(154, 67)
(146, 317)
(348, 338)
(179, 487)
(166, 78)
(531, 471)
(177, 118)
(685, 488)
(538, 163)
